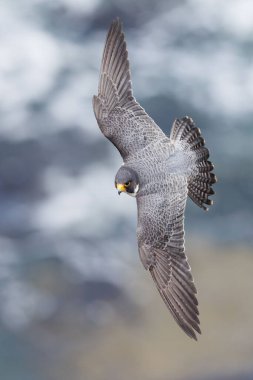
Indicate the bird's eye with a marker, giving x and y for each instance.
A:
(127, 183)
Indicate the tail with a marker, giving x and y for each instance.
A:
(200, 183)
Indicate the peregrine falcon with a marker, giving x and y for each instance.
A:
(160, 171)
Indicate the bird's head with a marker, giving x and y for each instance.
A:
(127, 181)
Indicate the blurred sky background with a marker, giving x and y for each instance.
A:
(75, 301)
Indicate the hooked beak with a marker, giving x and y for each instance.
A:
(121, 188)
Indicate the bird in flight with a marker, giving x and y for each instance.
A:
(160, 171)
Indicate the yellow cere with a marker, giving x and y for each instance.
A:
(121, 187)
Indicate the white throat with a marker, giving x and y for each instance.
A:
(135, 191)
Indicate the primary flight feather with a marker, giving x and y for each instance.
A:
(160, 171)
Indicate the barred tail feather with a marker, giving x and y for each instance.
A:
(199, 185)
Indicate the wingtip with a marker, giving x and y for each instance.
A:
(115, 27)
(192, 332)
(118, 20)
(117, 23)
(194, 336)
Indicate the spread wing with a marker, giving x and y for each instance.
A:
(120, 118)
(161, 246)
